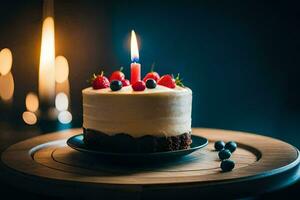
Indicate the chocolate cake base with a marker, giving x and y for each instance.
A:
(123, 142)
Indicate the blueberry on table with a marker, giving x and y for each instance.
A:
(224, 154)
(151, 83)
(231, 146)
(227, 165)
(219, 145)
(116, 85)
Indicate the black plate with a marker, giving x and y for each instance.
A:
(76, 142)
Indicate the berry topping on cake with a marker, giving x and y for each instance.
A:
(151, 83)
(99, 81)
(116, 85)
(125, 82)
(139, 86)
(117, 75)
(153, 75)
(167, 81)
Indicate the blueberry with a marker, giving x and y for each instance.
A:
(219, 145)
(231, 146)
(115, 85)
(227, 165)
(224, 154)
(151, 83)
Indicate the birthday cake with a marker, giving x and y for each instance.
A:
(150, 115)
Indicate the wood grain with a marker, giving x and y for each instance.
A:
(47, 158)
(202, 162)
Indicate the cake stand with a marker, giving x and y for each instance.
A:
(46, 165)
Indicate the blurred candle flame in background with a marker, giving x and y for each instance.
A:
(7, 85)
(53, 88)
(32, 102)
(61, 101)
(65, 117)
(61, 69)
(62, 97)
(32, 106)
(29, 118)
(5, 61)
(47, 62)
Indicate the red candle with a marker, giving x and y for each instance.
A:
(135, 67)
(135, 72)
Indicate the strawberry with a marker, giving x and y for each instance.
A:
(153, 75)
(100, 81)
(125, 82)
(117, 75)
(167, 81)
(139, 86)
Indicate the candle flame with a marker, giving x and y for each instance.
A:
(134, 48)
(47, 61)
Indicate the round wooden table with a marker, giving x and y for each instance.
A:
(46, 165)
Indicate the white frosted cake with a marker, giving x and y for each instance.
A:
(151, 120)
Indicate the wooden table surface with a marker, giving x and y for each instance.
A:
(262, 164)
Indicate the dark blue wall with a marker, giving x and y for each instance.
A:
(241, 58)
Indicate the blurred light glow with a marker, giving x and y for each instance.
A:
(47, 62)
(32, 102)
(63, 87)
(5, 61)
(53, 113)
(134, 47)
(29, 118)
(65, 117)
(7, 87)
(61, 69)
(61, 102)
